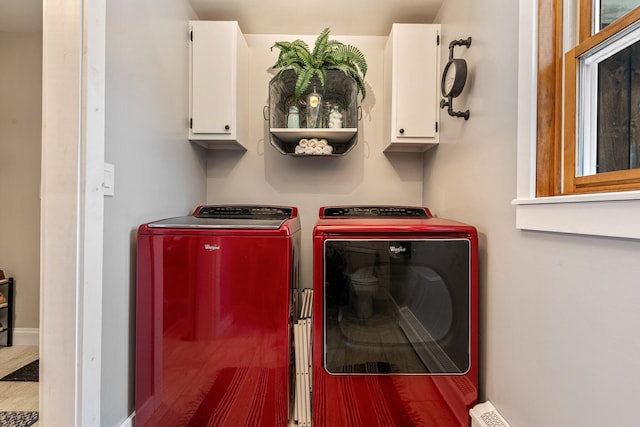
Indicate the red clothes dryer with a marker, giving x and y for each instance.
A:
(214, 316)
(395, 331)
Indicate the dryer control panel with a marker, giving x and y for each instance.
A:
(374, 211)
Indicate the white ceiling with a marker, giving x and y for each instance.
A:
(345, 17)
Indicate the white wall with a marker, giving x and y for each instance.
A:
(20, 142)
(264, 176)
(158, 172)
(559, 312)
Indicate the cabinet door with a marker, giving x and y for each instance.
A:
(213, 101)
(416, 65)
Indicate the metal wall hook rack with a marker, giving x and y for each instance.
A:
(462, 42)
(444, 103)
(453, 79)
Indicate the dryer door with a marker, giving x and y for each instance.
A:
(397, 306)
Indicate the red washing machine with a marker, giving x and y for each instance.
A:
(395, 331)
(214, 304)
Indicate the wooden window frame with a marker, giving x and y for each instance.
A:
(555, 173)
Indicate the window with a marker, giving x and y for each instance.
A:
(607, 11)
(609, 138)
(589, 100)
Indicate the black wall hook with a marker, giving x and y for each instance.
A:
(449, 103)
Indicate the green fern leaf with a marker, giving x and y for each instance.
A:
(352, 55)
(320, 47)
(321, 73)
(303, 81)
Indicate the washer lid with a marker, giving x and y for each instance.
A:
(230, 217)
(220, 223)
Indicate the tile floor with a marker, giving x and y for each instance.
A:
(16, 395)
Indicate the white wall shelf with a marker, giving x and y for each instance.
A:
(341, 136)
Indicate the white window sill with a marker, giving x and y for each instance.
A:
(605, 214)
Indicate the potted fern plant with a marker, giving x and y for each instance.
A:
(326, 55)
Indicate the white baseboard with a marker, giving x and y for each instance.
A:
(26, 336)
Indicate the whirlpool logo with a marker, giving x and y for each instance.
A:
(211, 248)
(395, 250)
(400, 250)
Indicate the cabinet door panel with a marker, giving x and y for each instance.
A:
(213, 78)
(416, 80)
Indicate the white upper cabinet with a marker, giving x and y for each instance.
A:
(218, 86)
(411, 79)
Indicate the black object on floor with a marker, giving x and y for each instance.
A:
(28, 372)
(18, 418)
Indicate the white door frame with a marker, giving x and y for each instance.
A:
(72, 212)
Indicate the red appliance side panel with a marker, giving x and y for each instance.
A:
(391, 399)
(212, 330)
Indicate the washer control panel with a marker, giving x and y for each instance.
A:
(374, 211)
(244, 212)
